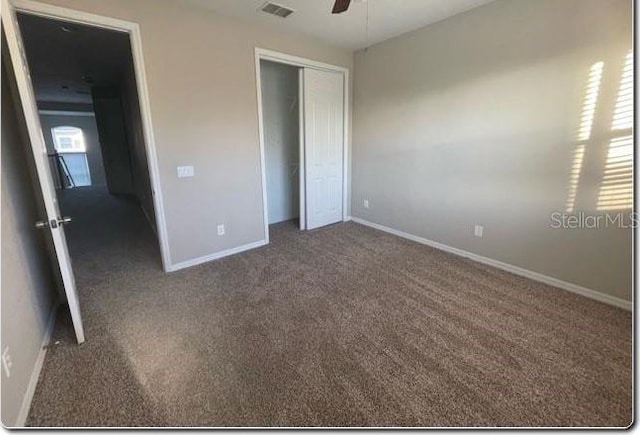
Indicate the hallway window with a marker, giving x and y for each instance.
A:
(71, 156)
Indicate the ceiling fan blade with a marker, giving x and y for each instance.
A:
(340, 6)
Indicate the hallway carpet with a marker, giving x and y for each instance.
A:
(341, 326)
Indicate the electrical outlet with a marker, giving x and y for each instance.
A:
(221, 230)
(477, 231)
(6, 361)
(365, 203)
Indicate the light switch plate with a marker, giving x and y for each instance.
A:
(185, 171)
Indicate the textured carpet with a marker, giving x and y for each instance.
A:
(341, 326)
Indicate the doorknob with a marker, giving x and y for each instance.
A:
(53, 223)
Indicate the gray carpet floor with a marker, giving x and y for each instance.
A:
(341, 326)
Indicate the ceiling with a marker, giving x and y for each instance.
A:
(387, 18)
(62, 62)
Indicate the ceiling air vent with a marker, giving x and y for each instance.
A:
(275, 9)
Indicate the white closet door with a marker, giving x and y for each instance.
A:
(324, 142)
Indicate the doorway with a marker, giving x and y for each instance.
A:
(80, 77)
(281, 120)
(302, 102)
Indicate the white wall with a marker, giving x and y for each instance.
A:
(280, 110)
(28, 283)
(202, 89)
(475, 119)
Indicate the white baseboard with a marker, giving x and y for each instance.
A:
(216, 256)
(37, 368)
(574, 288)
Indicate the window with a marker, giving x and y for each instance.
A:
(68, 140)
(71, 161)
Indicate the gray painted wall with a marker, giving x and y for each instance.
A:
(88, 126)
(202, 91)
(280, 112)
(475, 120)
(28, 284)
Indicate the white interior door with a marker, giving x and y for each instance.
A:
(323, 143)
(53, 221)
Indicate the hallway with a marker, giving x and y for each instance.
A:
(106, 231)
(339, 326)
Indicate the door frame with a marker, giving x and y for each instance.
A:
(301, 62)
(133, 30)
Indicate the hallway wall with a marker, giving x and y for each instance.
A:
(112, 130)
(28, 284)
(137, 145)
(280, 112)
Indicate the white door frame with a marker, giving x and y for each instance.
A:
(133, 29)
(274, 56)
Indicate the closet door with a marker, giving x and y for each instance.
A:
(323, 143)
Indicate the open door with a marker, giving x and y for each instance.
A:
(53, 222)
(323, 146)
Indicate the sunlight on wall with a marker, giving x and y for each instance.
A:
(623, 115)
(590, 101)
(576, 168)
(616, 188)
(584, 131)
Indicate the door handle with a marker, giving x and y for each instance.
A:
(53, 223)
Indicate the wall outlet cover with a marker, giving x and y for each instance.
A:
(221, 230)
(478, 230)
